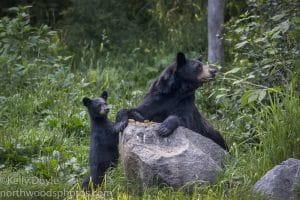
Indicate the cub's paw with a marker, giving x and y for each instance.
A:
(164, 131)
(120, 126)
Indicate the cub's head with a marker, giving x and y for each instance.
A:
(97, 107)
(193, 70)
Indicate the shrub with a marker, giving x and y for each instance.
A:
(28, 54)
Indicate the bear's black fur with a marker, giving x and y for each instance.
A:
(104, 141)
(171, 100)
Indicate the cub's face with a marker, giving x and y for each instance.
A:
(97, 107)
(194, 70)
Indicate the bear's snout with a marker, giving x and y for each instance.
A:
(213, 71)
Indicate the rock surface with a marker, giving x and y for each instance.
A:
(182, 159)
(280, 182)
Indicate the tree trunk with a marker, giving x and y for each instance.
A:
(215, 21)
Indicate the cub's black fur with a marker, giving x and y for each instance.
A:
(104, 141)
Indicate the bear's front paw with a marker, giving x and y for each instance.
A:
(119, 127)
(164, 131)
(137, 116)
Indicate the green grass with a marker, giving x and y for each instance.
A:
(45, 133)
(279, 131)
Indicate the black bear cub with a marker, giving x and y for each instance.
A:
(171, 100)
(104, 142)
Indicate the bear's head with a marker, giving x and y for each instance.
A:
(193, 70)
(97, 107)
(183, 76)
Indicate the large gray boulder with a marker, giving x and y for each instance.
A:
(281, 181)
(182, 159)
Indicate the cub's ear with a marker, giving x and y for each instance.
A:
(104, 95)
(180, 59)
(86, 101)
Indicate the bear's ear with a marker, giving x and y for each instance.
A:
(86, 101)
(180, 59)
(104, 95)
(199, 58)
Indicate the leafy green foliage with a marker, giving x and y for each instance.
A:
(28, 54)
(262, 52)
(264, 40)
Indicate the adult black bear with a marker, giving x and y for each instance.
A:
(104, 141)
(171, 100)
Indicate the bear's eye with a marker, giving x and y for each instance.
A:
(98, 105)
(199, 67)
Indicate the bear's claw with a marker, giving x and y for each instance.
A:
(164, 131)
